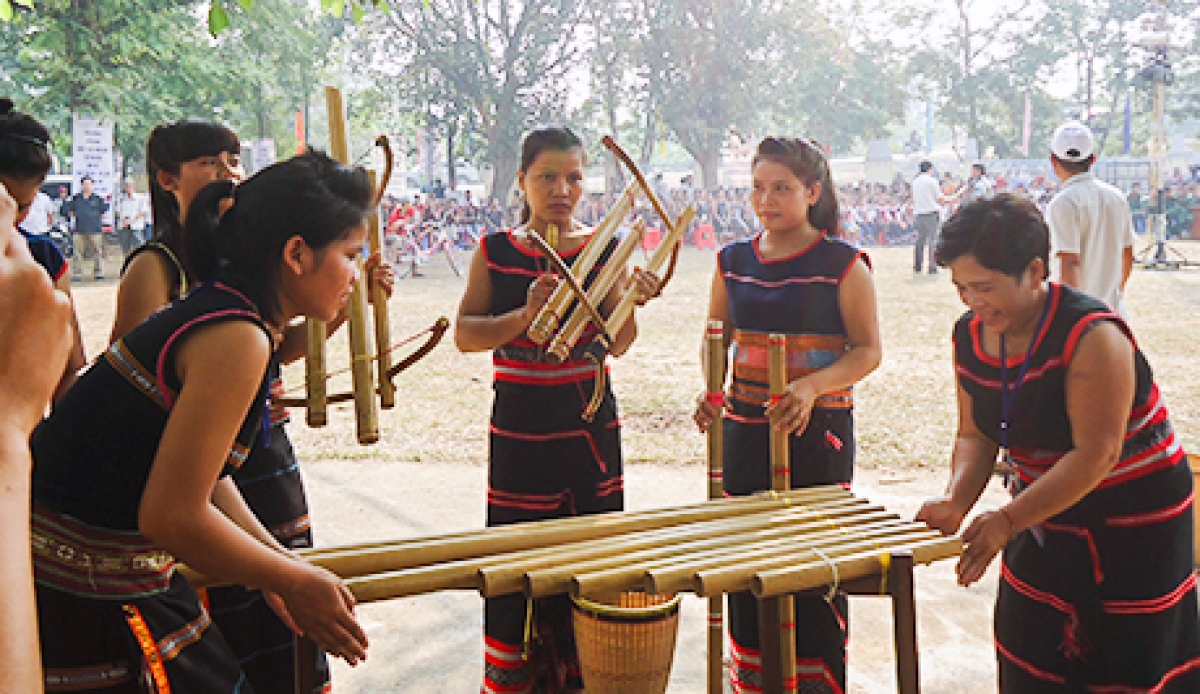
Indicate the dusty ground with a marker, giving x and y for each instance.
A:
(429, 475)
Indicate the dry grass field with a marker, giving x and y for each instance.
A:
(429, 474)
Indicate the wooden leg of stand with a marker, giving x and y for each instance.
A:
(904, 616)
(306, 665)
(777, 642)
(716, 644)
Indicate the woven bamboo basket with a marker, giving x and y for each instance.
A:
(626, 643)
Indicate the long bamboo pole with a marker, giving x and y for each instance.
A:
(379, 304)
(366, 407)
(378, 557)
(781, 478)
(547, 320)
(714, 340)
(631, 559)
(733, 577)
(811, 574)
(665, 573)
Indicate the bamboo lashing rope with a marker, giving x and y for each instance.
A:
(714, 340)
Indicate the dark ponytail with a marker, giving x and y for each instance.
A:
(559, 139)
(310, 196)
(805, 159)
(24, 145)
(171, 145)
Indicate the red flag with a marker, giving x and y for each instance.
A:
(300, 144)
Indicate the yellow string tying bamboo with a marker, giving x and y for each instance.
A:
(715, 395)
(547, 320)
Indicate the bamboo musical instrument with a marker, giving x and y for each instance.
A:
(549, 317)
(714, 341)
(379, 304)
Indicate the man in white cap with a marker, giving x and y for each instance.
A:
(1091, 228)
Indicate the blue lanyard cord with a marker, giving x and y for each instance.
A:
(1009, 397)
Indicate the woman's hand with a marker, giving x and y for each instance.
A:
(942, 514)
(321, 607)
(379, 272)
(790, 414)
(646, 284)
(985, 537)
(707, 413)
(538, 294)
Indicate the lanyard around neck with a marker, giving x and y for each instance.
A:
(1009, 397)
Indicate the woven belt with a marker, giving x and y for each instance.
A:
(85, 560)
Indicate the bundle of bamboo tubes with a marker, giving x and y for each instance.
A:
(772, 544)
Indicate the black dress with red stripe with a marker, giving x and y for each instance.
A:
(113, 614)
(545, 462)
(1101, 597)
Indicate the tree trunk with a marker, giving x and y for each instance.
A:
(451, 173)
(710, 162)
(505, 161)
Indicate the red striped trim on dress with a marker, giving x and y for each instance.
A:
(770, 261)
(554, 436)
(161, 365)
(994, 383)
(816, 670)
(90, 561)
(775, 284)
(1085, 535)
(528, 502)
(1028, 666)
(861, 255)
(1084, 325)
(1177, 671)
(173, 644)
(1152, 605)
(1134, 520)
(1044, 597)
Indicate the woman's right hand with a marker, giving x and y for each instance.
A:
(322, 608)
(942, 514)
(706, 413)
(539, 293)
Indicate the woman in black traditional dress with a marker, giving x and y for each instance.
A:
(132, 470)
(1097, 582)
(545, 460)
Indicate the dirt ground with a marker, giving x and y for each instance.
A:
(428, 475)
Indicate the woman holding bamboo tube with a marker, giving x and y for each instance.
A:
(183, 157)
(545, 460)
(1097, 578)
(799, 279)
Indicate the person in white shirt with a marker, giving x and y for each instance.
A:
(927, 206)
(133, 211)
(41, 215)
(1091, 228)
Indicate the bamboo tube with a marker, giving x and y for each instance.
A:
(379, 305)
(360, 560)
(681, 576)
(735, 577)
(317, 414)
(715, 383)
(635, 565)
(366, 408)
(505, 573)
(627, 550)
(781, 479)
(546, 322)
(624, 308)
(577, 321)
(812, 574)
(469, 572)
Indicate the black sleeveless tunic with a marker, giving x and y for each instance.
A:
(111, 608)
(1103, 595)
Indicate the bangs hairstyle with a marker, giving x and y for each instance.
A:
(310, 196)
(24, 145)
(805, 159)
(554, 138)
(170, 146)
(1003, 233)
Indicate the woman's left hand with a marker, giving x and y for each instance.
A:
(646, 284)
(984, 537)
(380, 272)
(793, 410)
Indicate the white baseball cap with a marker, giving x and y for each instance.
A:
(1072, 141)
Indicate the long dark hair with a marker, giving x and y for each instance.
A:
(24, 145)
(170, 146)
(556, 138)
(310, 196)
(804, 158)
